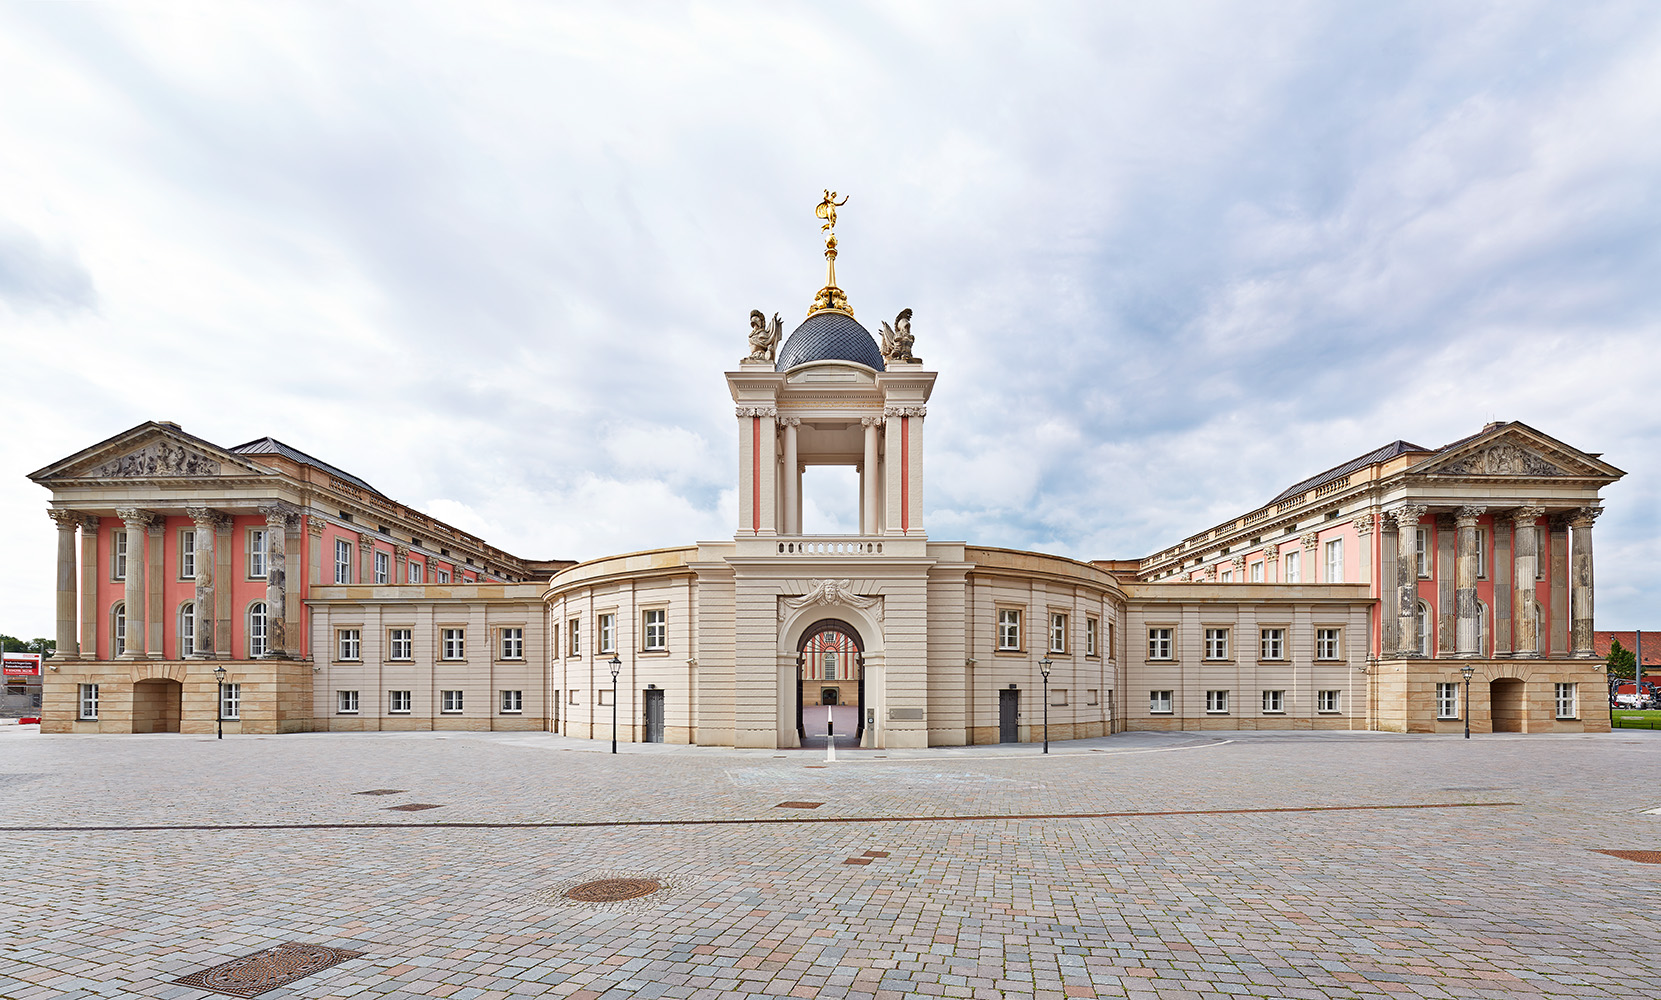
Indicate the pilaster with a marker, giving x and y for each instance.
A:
(1580, 578)
(155, 552)
(90, 618)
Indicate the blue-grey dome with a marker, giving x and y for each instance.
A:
(829, 336)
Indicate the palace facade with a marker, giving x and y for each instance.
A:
(1353, 600)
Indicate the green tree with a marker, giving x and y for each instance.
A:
(12, 644)
(1621, 661)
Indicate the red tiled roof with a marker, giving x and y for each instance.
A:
(1629, 640)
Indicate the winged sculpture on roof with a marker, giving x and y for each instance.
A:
(897, 339)
(764, 335)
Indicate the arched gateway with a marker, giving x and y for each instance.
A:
(830, 661)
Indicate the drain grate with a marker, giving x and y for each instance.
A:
(413, 807)
(381, 791)
(251, 975)
(613, 890)
(798, 805)
(1642, 857)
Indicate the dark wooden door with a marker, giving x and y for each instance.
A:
(1009, 714)
(654, 716)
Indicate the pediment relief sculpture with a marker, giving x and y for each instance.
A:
(1503, 459)
(158, 458)
(831, 592)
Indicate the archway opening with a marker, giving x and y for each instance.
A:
(1505, 698)
(156, 705)
(830, 684)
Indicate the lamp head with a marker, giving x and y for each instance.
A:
(1467, 670)
(616, 666)
(1044, 666)
(219, 674)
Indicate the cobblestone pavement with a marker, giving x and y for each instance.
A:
(1193, 887)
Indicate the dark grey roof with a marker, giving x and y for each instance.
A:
(1390, 450)
(829, 336)
(271, 446)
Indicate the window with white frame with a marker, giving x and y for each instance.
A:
(607, 633)
(443, 576)
(573, 637)
(346, 702)
(1293, 572)
(118, 627)
(118, 558)
(89, 702)
(343, 561)
(256, 553)
(1228, 576)
(1335, 561)
(1567, 703)
(1481, 554)
(1274, 702)
(1326, 701)
(230, 702)
(383, 567)
(1216, 643)
(1329, 643)
(1539, 628)
(1540, 553)
(1257, 571)
(1159, 644)
(1058, 633)
(455, 646)
(398, 702)
(1159, 702)
(1421, 551)
(1009, 629)
(657, 630)
(1090, 627)
(513, 643)
(829, 666)
(187, 554)
(513, 702)
(350, 643)
(1481, 628)
(1421, 622)
(400, 644)
(1447, 701)
(416, 571)
(1216, 702)
(257, 635)
(187, 629)
(450, 701)
(1273, 644)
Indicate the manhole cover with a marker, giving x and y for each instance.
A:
(613, 890)
(1642, 857)
(251, 975)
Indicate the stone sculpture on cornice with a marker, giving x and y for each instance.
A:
(897, 339)
(764, 336)
(832, 592)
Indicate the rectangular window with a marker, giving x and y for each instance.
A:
(830, 666)
(256, 553)
(573, 637)
(343, 561)
(1274, 644)
(451, 701)
(1216, 643)
(1274, 702)
(187, 554)
(1421, 551)
(443, 576)
(415, 571)
(1329, 643)
(1326, 701)
(230, 705)
(1090, 628)
(1481, 554)
(1294, 573)
(1257, 571)
(398, 702)
(1566, 701)
(1159, 702)
(89, 701)
(513, 644)
(657, 630)
(1058, 633)
(401, 642)
(513, 702)
(1216, 702)
(1540, 554)
(383, 567)
(454, 645)
(1447, 701)
(1335, 561)
(1009, 629)
(351, 643)
(1228, 576)
(1159, 644)
(608, 634)
(118, 561)
(346, 702)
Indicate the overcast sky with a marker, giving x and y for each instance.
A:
(1167, 258)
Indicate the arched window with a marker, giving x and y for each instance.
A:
(1539, 629)
(256, 630)
(187, 629)
(1422, 626)
(118, 622)
(1482, 628)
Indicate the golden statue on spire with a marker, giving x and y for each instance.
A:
(830, 297)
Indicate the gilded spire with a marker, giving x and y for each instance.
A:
(830, 297)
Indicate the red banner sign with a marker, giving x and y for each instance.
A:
(20, 664)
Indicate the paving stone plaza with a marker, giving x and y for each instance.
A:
(1145, 865)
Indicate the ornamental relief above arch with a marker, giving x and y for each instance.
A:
(831, 592)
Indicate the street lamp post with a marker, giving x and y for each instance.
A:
(219, 701)
(616, 667)
(1467, 670)
(1044, 666)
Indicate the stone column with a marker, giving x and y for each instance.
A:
(1580, 580)
(872, 523)
(277, 517)
(1407, 578)
(67, 521)
(208, 524)
(1465, 576)
(1525, 544)
(366, 559)
(135, 521)
(90, 619)
(791, 522)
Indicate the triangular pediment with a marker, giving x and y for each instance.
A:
(1515, 451)
(150, 451)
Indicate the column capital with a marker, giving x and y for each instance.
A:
(156, 526)
(133, 517)
(366, 541)
(1527, 515)
(1466, 516)
(278, 515)
(1309, 539)
(1408, 515)
(402, 552)
(89, 523)
(67, 519)
(315, 526)
(905, 411)
(871, 421)
(757, 411)
(1272, 553)
(1363, 523)
(206, 518)
(790, 421)
(1238, 562)
(1582, 517)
